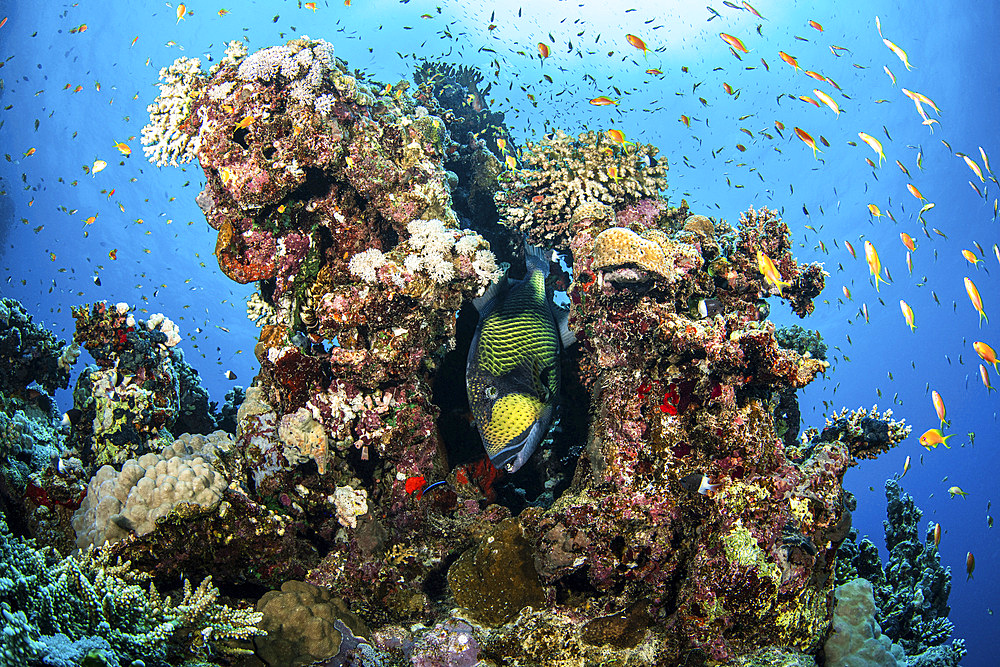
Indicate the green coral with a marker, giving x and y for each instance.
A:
(55, 608)
(804, 341)
(742, 549)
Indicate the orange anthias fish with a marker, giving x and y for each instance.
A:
(816, 25)
(970, 565)
(686, 120)
(123, 148)
(246, 122)
(29, 152)
(791, 60)
(985, 375)
(874, 264)
(915, 192)
(223, 12)
(310, 5)
(939, 408)
(653, 71)
(970, 257)
(543, 50)
(977, 301)
(770, 272)
(827, 100)
(850, 249)
(908, 241)
(932, 437)
(734, 42)
(874, 210)
(807, 139)
(875, 145)
(637, 43)
(602, 101)
(907, 314)
(618, 137)
(987, 354)
(181, 12)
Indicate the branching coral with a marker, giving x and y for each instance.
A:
(561, 173)
(165, 140)
(912, 589)
(52, 603)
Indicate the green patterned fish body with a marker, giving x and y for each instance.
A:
(512, 375)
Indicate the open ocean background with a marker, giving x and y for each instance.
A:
(163, 246)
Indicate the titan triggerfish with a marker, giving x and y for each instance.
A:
(512, 374)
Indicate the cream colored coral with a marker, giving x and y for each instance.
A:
(304, 438)
(617, 246)
(148, 488)
(350, 503)
(163, 141)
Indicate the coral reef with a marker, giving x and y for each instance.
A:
(144, 490)
(560, 174)
(60, 608)
(687, 521)
(911, 590)
(803, 341)
(32, 359)
(856, 640)
(303, 625)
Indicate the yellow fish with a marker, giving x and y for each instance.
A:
(956, 491)
(899, 52)
(827, 100)
(977, 301)
(875, 144)
(907, 314)
(99, 165)
(874, 264)
(770, 272)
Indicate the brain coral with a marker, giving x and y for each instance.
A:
(148, 488)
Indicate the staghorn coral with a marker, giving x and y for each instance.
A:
(58, 606)
(560, 174)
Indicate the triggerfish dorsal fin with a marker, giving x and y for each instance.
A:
(481, 302)
(567, 337)
(537, 258)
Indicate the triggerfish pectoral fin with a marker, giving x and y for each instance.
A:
(512, 373)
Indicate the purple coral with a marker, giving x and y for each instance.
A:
(448, 644)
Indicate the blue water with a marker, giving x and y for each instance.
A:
(164, 247)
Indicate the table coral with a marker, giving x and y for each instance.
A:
(560, 173)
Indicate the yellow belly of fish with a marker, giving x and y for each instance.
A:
(512, 415)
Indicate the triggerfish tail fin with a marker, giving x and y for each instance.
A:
(537, 258)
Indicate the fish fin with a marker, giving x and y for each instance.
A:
(537, 258)
(482, 302)
(567, 337)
